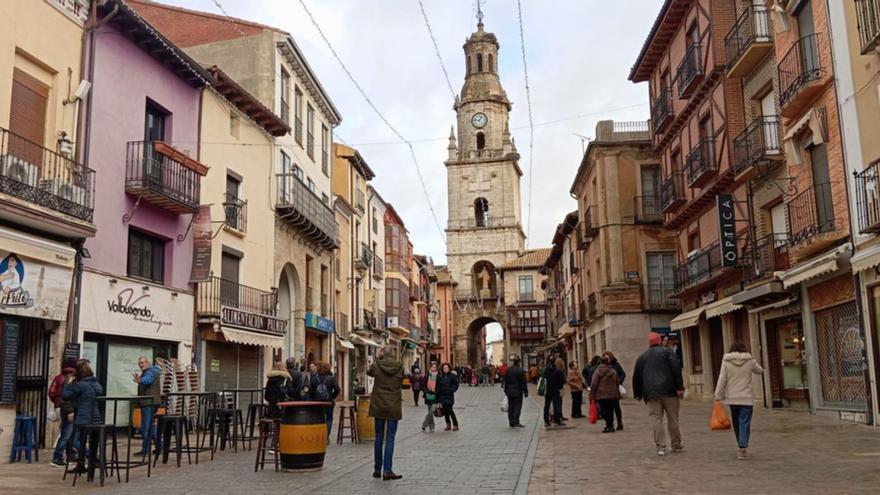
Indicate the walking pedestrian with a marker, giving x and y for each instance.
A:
(416, 384)
(621, 376)
(323, 388)
(148, 385)
(484, 375)
(514, 385)
(385, 409)
(474, 379)
(734, 389)
(429, 386)
(604, 391)
(533, 374)
(590, 368)
(82, 390)
(554, 374)
(447, 385)
(576, 387)
(275, 391)
(492, 374)
(64, 448)
(657, 379)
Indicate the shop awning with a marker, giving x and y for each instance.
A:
(762, 294)
(550, 346)
(721, 307)
(357, 339)
(344, 343)
(686, 320)
(865, 259)
(251, 338)
(822, 265)
(776, 305)
(399, 331)
(812, 119)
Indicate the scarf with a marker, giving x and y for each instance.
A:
(432, 382)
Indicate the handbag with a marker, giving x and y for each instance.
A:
(719, 420)
(594, 412)
(504, 404)
(621, 390)
(438, 411)
(542, 386)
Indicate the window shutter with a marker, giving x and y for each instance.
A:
(27, 116)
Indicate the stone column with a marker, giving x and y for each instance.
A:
(613, 217)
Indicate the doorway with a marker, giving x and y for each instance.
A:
(716, 347)
(787, 364)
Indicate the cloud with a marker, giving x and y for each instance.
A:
(578, 51)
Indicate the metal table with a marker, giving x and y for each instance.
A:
(128, 463)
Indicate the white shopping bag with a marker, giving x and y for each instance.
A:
(504, 405)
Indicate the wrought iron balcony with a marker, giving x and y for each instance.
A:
(798, 68)
(45, 178)
(661, 111)
(690, 70)
(163, 176)
(378, 268)
(590, 222)
(527, 322)
(811, 213)
(239, 305)
(758, 143)
(658, 295)
(648, 209)
(235, 210)
(701, 164)
(302, 208)
(365, 257)
(867, 191)
(766, 256)
(672, 192)
(749, 41)
(699, 266)
(868, 15)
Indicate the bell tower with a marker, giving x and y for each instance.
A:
(484, 230)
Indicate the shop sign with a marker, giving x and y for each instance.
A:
(33, 289)
(202, 234)
(71, 351)
(215, 366)
(127, 302)
(237, 318)
(727, 230)
(316, 322)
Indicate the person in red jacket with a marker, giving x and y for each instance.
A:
(64, 409)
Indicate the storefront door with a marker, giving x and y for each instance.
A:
(314, 347)
(232, 366)
(716, 347)
(787, 363)
(32, 374)
(841, 357)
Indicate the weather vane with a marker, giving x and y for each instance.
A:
(479, 11)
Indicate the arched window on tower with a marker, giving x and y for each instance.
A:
(481, 140)
(469, 68)
(481, 212)
(491, 63)
(479, 62)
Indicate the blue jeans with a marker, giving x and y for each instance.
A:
(741, 418)
(148, 428)
(384, 462)
(65, 441)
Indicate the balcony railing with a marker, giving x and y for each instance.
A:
(43, 177)
(525, 296)
(217, 293)
(648, 209)
(661, 112)
(235, 210)
(701, 164)
(699, 266)
(483, 223)
(658, 295)
(690, 70)
(298, 130)
(365, 257)
(748, 41)
(163, 176)
(592, 305)
(766, 256)
(672, 192)
(760, 141)
(867, 191)
(310, 145)
(302, 208)
(800, 66)
(868, 15)
(591, 222)
(811, 213)
(378, 268)
(359, 201)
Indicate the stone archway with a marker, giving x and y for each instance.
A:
(289, 307)
(477, 339)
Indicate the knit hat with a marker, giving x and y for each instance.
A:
(654, 339)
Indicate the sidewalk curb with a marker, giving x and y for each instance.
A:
(525, 473)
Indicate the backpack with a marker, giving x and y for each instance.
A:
(321, 392)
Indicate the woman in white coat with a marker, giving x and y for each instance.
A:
(734, 389)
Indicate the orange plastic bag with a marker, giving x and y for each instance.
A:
(594, 412)
(719, 419)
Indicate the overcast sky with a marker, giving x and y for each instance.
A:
(578, 52)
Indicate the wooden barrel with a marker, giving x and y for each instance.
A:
(366, 426)
(302, 438)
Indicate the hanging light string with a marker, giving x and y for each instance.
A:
(436, 49)
(522, 44)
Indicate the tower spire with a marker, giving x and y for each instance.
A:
(480, 14)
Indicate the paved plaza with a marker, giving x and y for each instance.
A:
(792, 453)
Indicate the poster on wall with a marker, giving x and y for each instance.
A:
(31, 288)
(121, 364)
(202, 233)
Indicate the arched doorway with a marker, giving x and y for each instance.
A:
(288, 290)
(482, 332)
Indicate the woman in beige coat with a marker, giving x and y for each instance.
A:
(734, 389)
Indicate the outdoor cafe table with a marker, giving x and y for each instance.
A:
(236, 391)
(131, 399)
(201, 398)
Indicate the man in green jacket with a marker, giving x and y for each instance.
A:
(385, 409)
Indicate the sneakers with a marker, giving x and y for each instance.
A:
(678, 450)
(661, 451)
(742, 455)
(55, 463)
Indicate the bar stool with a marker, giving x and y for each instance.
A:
(350, 410)
(219, 422)
(179, 426)
(268, 440)
(24, 439)
(97, 436)
(255, 412)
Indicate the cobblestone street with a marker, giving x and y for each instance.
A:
(791, 453)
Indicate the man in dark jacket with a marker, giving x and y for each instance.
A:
(513, 382)
(657, 379)
(295, 388)
(554, 373)
(386, 409)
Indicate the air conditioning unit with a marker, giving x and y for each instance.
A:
(64, 190)
(18, 170)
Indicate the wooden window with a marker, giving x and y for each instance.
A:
(27, 117)
(693, 335)
(285, 96)
(146, 256)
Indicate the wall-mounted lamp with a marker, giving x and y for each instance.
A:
(84, 252)
(113, 281)
(146, 288)
(65, 145)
